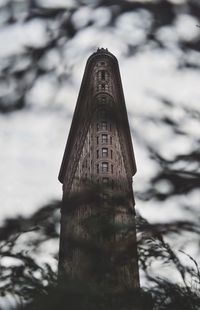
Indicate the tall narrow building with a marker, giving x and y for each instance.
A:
(96, 173)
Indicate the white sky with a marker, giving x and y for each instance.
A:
(31, 142)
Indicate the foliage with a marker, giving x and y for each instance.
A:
(34, 286)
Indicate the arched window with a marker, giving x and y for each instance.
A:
(104, 167)
(104, 125)
(104, 152)
(102, 114)
(103, 100)
(105, 180)
(104, 138)
(103, 75)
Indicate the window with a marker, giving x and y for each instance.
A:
(111, 154)
(97, 168)
(111, 168)
(97, 126)
(104, 138)
(104, 152)
(104, 167)
(105, 180)
(97, 140)
(103, 74)
(104, 126)
(110, 140)
(97, 153)
(102, 114)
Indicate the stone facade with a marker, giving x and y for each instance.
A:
(98, 151)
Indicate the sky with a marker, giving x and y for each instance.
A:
(32, 141)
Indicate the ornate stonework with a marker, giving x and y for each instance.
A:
(98, 151)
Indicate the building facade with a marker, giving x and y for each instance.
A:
(96, 173)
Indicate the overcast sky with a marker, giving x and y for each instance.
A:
(32, 141)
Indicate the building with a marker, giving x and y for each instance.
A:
(96, 171)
